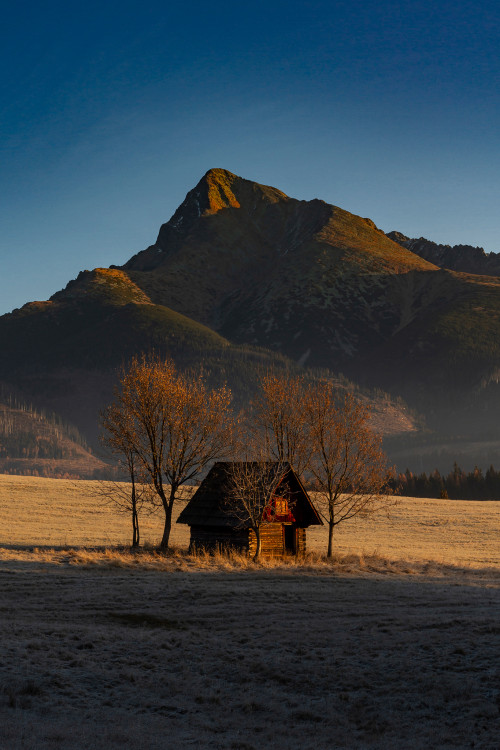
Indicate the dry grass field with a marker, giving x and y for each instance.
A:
(36, 512)
(394, 645)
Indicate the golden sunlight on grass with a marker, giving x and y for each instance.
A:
(36, 560)
(61, 512)
(51, 513)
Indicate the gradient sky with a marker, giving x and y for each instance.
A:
(110, 112)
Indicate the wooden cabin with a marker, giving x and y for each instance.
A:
(216, 523)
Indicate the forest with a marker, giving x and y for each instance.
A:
(457, 485)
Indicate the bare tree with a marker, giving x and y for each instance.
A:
(251, 495)
(278, 414)
(348, 464)
(174, 424)
(132, 496)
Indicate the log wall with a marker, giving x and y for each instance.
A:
(244, 540)
(271, 535)
(301, 541)
(213, 538)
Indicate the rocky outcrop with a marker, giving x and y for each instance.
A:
(464, 258)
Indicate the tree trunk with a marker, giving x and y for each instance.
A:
(167, 507)
(135, 516)
(167, 527)
(135, 523)
(258, 544)
(330, 539)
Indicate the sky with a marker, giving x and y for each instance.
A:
(110, 112)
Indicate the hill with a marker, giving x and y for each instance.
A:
(65, 353)
(41, 444)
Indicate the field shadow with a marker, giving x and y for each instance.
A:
(144, 620)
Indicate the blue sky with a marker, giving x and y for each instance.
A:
(109, 115)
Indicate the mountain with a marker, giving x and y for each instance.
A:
(243, 278)
(329, 289)
(320, 285)
(301, 277)
(464, 258)
(65, 354)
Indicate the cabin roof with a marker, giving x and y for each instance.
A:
(209, 507)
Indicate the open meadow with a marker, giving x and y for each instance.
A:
(392, 645)
(36, 512)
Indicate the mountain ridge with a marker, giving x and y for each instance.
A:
(464, 258)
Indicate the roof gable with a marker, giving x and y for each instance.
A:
(209, 506)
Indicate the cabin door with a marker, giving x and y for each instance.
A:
(290, 538)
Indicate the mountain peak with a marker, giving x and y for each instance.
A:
(220, 188)
(235, 217)
(213, 193)
(218, 185)
(218, 191)
(220, 172)
(106, 285)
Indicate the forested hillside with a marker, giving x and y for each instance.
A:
(40, 443)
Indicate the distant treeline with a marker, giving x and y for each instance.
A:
(457, 485)
(56, 470)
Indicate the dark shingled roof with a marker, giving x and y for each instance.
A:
(207, 507)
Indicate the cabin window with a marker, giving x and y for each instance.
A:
(281, 506)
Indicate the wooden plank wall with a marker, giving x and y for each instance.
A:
(301, 541)
(204, 537)
(271, 535)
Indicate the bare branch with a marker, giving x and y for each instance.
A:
(280, 420)
(251, 498)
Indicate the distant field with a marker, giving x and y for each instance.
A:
(58, 512)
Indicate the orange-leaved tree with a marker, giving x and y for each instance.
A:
(279, 419)
(174, 423)
(348, 464)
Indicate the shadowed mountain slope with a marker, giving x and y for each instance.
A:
(97, 320)
(65, 353)
(244, 277)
